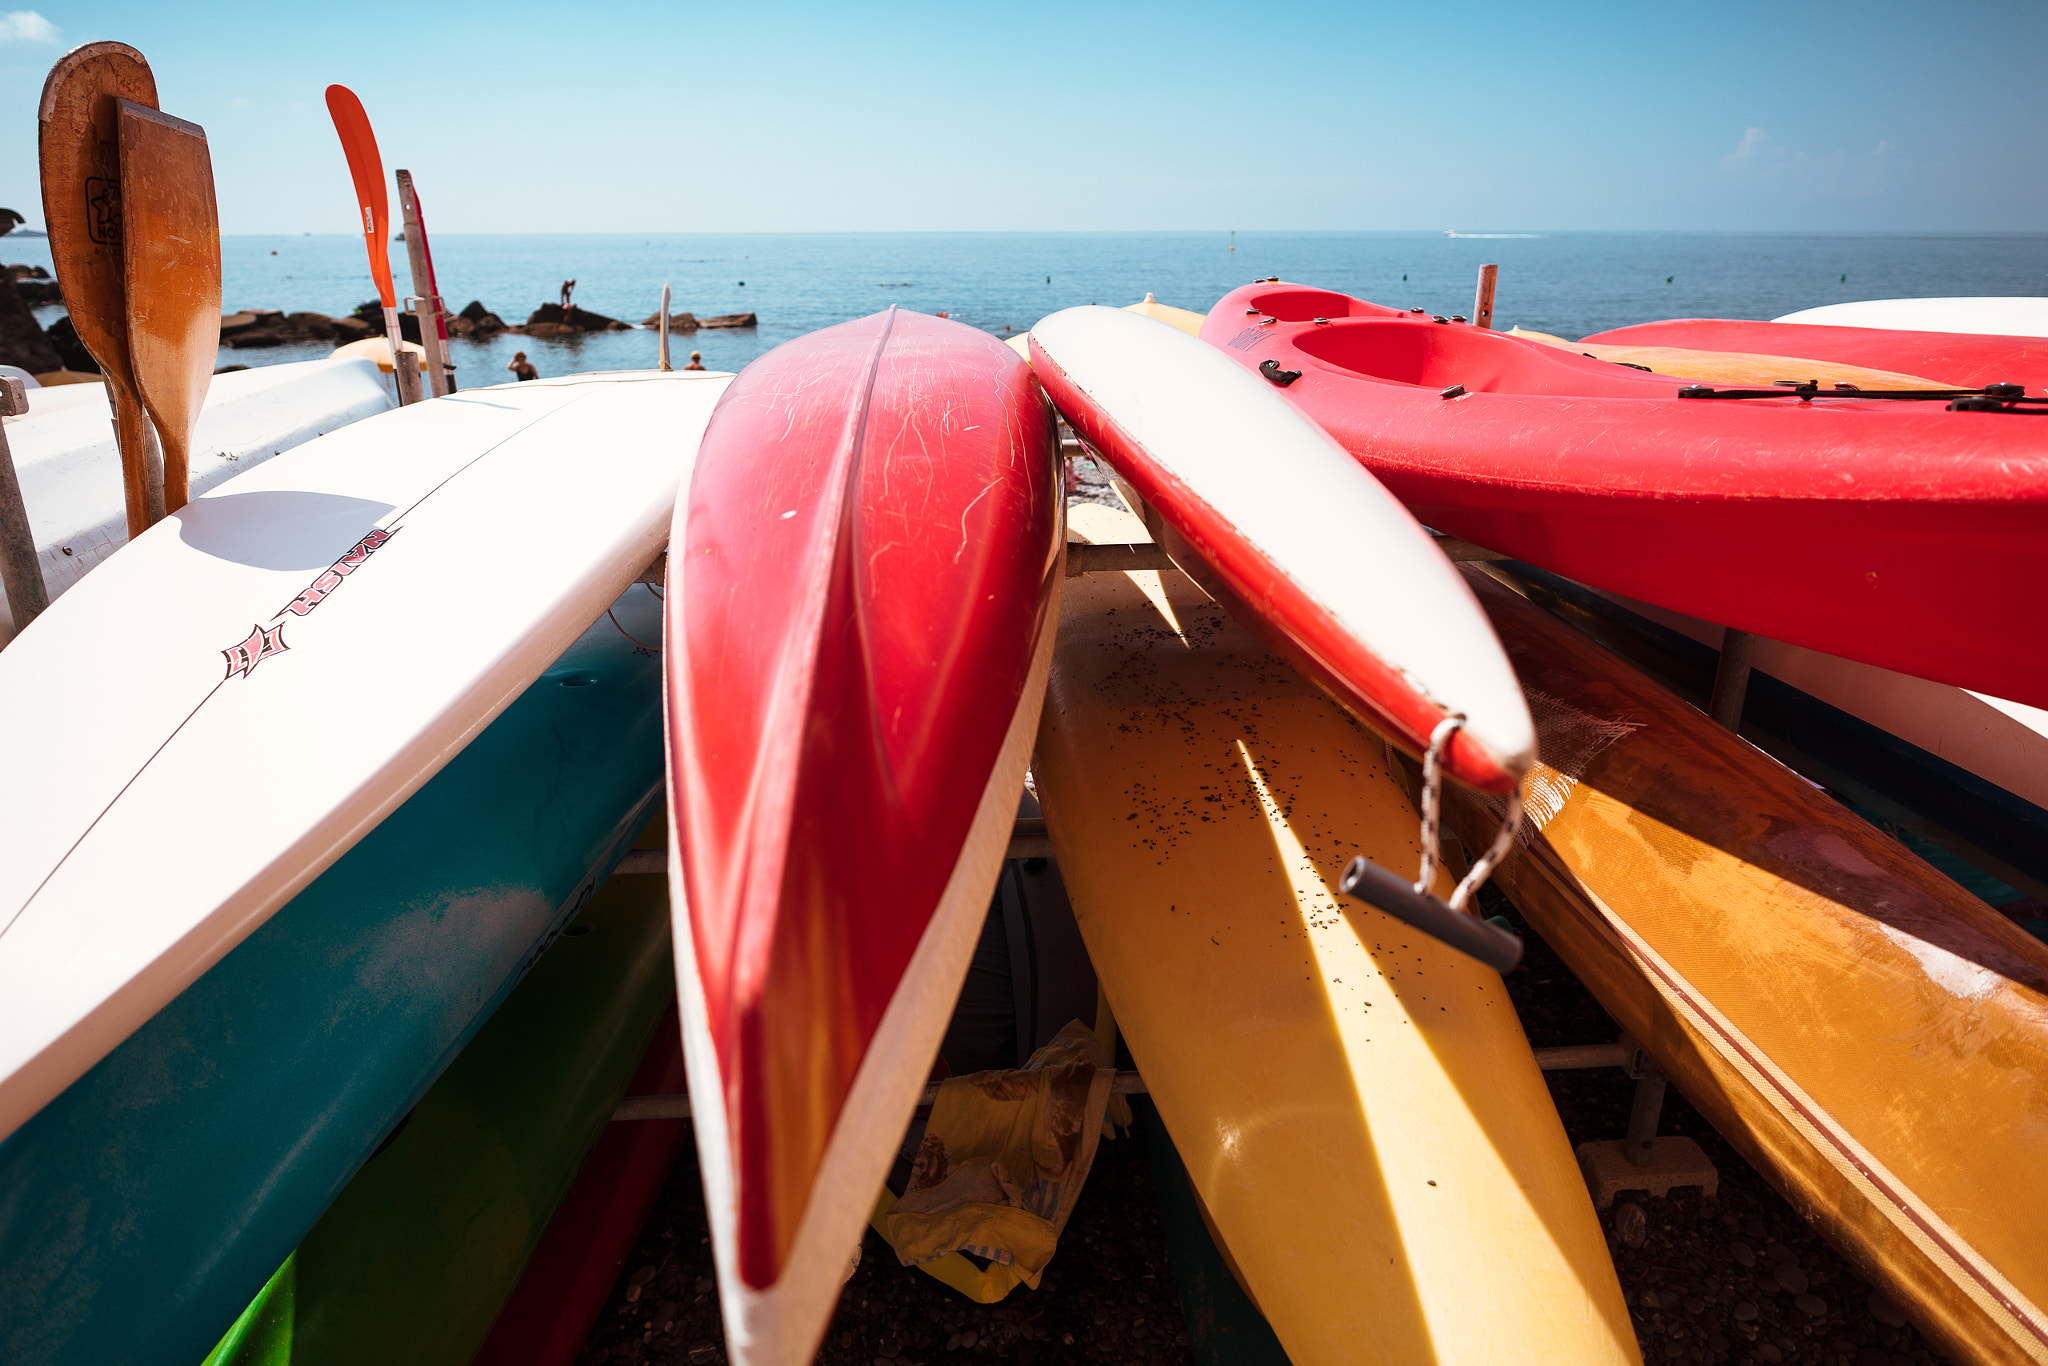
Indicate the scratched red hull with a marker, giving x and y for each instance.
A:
(1896, 533)
(862, 590)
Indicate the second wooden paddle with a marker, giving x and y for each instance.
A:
(172, 249)
(427, 305)
(80, 162)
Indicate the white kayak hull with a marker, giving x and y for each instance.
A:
(1988, 315)
(233, 701)
(70, 468)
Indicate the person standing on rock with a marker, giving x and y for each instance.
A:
(696, 361)
(568, 288)
(522, 367)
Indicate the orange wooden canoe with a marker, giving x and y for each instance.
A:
(1870, 1036)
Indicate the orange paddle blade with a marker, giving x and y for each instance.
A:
(366, 168)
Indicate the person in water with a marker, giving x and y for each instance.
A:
(696, 361)
(522, 367)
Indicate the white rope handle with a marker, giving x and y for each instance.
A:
(1432, 807)
(1432, 794)
(1495, 852)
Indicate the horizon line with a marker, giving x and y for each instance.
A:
(27, 233)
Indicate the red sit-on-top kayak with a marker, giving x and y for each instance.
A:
(863, 586)
(1892, 531)
(1962, 359)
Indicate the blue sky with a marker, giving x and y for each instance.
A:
(523, 117)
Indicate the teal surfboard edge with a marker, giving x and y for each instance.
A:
(417, 1255)
(143, 1209)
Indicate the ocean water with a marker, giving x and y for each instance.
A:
(1570, 284)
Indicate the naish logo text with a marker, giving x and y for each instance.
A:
(263, 643)
(331, 578)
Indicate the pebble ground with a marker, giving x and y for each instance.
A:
(1742, 1279)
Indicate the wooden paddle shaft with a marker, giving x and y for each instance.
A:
(403, 371)
(171, 250)
(78, 151)
(1482, 302)
(20, 575)
(426, 304)
(662, 354)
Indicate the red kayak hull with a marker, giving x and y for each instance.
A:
(572, 1271)
(1959, 359)
(1896, 533)
(862, 582)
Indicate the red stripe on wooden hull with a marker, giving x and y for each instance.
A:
(1899, 534)
(858, 580)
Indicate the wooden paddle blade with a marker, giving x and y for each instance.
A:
(172, 248)
(80, 163)
(366, 168)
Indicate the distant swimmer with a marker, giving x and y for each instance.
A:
(696, 361)
(522, 367)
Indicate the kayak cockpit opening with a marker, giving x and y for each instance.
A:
(1400, 351)
(1292, 305)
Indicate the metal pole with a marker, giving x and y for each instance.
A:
(1731, 678)
(664, 329)
(1640, 1146)
(19, 573)
(424, 306)
(1482, 302)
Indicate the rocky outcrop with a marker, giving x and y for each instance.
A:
(690, 322)
(551, 317)
(475, 321)
(260, 327)
(70, 350)
(34, 285)
(23, 343)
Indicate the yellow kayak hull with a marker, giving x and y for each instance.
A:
(1357, 1106)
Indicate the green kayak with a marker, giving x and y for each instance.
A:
(415, 1257)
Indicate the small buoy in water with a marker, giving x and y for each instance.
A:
(743, 284)
(1845, 279)
(1404, 277)
(1048, 279)
(1669, 278)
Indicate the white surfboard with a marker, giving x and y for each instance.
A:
(1989, 315)
(70, 469)
(1260, 505)
(222, 709)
